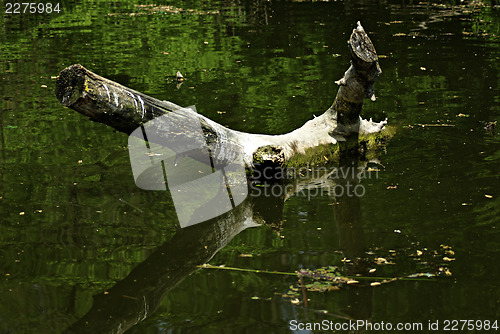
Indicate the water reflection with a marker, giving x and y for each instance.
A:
(138, 295)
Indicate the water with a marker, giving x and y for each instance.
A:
(74, 224)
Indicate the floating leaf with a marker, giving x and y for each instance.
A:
(380, 260)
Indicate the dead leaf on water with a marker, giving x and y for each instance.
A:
(380, 260)
(445, 271)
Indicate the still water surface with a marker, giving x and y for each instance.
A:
(74, 225)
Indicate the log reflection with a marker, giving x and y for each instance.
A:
(138, 295)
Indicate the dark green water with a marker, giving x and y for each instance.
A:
(74, 225)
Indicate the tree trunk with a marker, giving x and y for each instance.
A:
(126, 110)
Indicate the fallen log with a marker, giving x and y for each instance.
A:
(127, 110)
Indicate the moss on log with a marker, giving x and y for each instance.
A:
(317, 141)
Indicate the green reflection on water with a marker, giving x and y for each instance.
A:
(67, 231)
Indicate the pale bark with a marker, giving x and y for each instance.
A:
(125, 110)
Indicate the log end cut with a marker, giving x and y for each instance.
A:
(70, 84)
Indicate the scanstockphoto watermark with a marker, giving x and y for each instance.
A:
(354, 325)
(308, 172)
(171, 152)
(312, 182)
(456, 325)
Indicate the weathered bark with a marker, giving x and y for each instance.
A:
(125, 109)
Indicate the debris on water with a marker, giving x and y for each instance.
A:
(382, 260)
(444, 271)
(179, 77)
(135, 207)
(490, 126)
(428, 275)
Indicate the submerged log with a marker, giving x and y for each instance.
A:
(126, 110)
